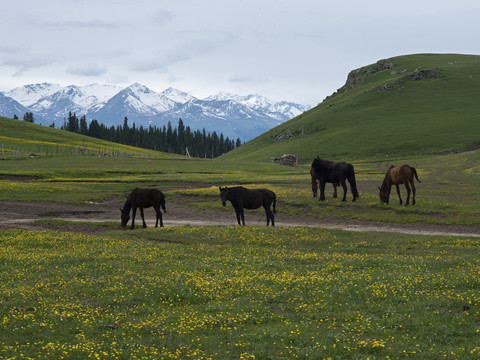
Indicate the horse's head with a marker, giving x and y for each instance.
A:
(223, 195)
(125, 217)
(383, 195)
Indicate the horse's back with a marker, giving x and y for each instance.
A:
(254, 198)
(400, 174)
(146, 197)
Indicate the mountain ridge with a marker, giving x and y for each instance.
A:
(235, 116)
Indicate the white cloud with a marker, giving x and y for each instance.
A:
(300, 51)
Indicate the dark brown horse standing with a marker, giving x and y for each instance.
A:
(315, 184)
(242, 198)
(397, 175)
(335, 173)
(143, 198)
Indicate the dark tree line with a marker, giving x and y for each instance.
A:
(166, 139)
(28, 117)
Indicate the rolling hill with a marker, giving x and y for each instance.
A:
(20, 139)
(402, 106)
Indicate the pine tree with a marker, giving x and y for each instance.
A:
(83, 125)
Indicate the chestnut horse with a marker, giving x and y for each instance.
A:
(397, 175)
(143, 198)
(242, 198)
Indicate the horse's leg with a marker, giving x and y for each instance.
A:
(237, 213)
(143, 218)
(314, 187)
(134, 212)
(322, 190)
(407, 186)
(269, 214)
(334, 190)
(399, 196)
(242, 214)
(159, 216)
(413, 191)
(344, 186)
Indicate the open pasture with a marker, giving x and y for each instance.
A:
(448, 195)
(238, 293)
(232, 292)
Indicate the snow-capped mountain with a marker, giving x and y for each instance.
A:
(11, 106)
(235, 116)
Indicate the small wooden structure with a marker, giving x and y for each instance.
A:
(287, 159)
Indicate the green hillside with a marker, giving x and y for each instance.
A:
(19, 139)
(397, 107)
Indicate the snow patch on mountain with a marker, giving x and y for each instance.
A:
(233, 115)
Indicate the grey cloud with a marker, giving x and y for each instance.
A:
(87, 71)
(10, 50)
(75, 25)
(23, 65)
(161, 17)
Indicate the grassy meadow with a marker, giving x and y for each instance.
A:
(230, 292)
(238, 293)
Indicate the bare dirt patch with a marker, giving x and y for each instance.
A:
(17, 214)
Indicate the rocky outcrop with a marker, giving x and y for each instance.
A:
(417, 75)
(357, 77)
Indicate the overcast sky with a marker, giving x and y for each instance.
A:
(297, 50)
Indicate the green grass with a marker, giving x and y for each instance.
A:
(238, 293)
(19, 139)
(448, 194)
(418, 117)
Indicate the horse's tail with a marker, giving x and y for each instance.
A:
(274, 203)
(353, 183)
(415, 173)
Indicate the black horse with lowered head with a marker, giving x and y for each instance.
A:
(315, 184)
(143, 198)
(242, 198)
(332, 172)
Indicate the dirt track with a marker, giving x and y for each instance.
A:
(23, 214)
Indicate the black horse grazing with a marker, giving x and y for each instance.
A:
(315, 184)
(397, 175)
(143, 198)
(242, 198)
(329, 171)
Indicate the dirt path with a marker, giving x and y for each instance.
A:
(15, 214)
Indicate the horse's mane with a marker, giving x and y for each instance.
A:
(233, 188)
(128, 203)
(384, 183)
(321, 163)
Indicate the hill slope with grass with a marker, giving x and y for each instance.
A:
(402, 106)
(19, 139)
